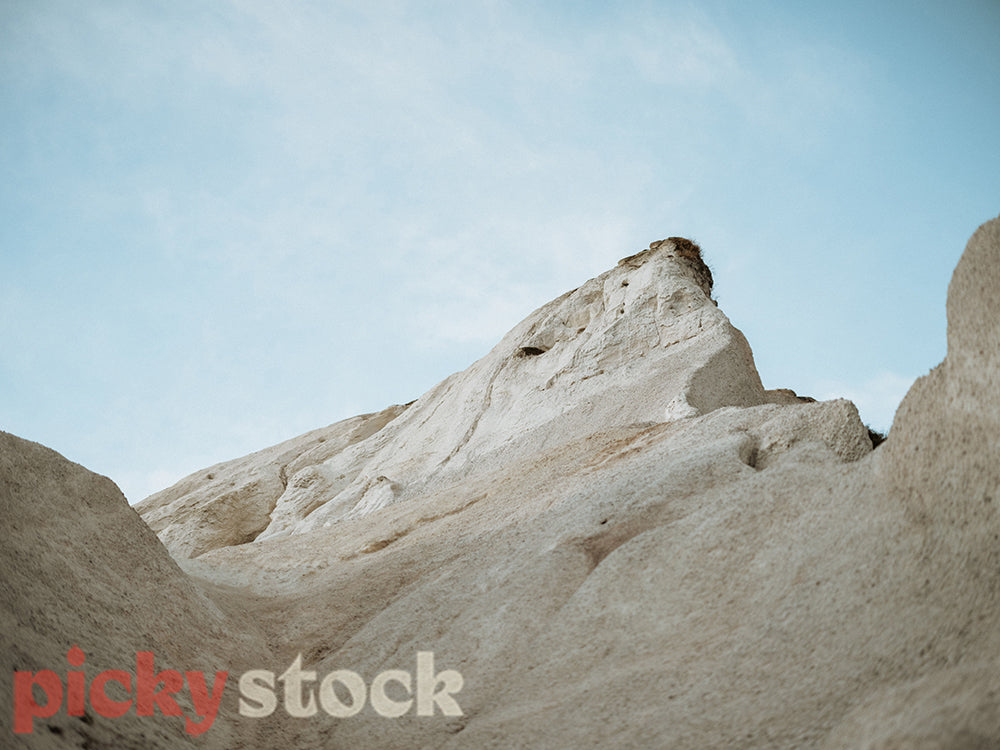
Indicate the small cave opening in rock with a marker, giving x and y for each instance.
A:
(530, 351)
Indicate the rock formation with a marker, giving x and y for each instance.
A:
(80, 568)
(606, 525)
(640, 343)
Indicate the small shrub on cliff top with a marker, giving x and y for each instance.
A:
(687, 249)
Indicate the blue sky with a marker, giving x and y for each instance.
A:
(225, 223)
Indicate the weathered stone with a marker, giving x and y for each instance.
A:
(608, 527)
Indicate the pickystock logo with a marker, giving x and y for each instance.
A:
(145, 691)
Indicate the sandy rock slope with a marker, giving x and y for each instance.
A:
(607, 525)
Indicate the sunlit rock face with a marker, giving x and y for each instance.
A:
(643, 342)
(606, 525)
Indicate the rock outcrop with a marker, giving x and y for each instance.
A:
(607, 526)
(641, 343)
(80, 568)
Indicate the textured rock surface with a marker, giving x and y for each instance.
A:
(642, 342)
(232, 503)
(81, 568)
(620, 539)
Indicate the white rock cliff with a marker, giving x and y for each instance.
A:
(640, 343)
(607, 525)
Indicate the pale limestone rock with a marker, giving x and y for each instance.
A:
(752, 576)
(79, 567)
(232, 503)
(953, 709)
(621, 540)
(641, 343)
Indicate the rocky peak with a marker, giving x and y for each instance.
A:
(605, 525)
(677, 247)
(641, 343)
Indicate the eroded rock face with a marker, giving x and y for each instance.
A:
(80, 568)
(619, 539)
(641, 343)
(940, 467)
(232, 503)
(942, 458)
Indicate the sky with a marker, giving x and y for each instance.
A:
(225, 223)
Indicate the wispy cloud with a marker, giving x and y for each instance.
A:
(679, 48)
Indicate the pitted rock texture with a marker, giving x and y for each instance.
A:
(641, 343)
(79, 567)
(232, 503)
(616, 536)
